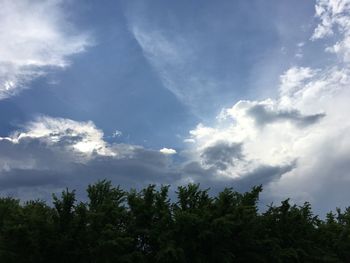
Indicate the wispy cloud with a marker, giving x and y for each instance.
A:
(177, 58)
(173, 60)
(34, 36)
(168, 56)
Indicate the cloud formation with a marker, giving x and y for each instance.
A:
(172, 58)
(82, 137)
(35, 36)
(50, 153)
(303, 134)
(222, 154)
(334, 19)
(195, 65)
(167, 151)
(297, 144)
(263, 115)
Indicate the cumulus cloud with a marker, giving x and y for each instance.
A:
(298, 144)
(49, 153)
(195, 172)
(222, 154)
(167, 151)
(35, 36)
(332, 13)
(82, 137)
(334, 19)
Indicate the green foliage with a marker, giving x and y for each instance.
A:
(146, 226)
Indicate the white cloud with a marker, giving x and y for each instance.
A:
(293, 79)
(334, 18)
(275, 137)
(167, 151)
(117, 133)
(306, 126)
(49, 154)
(82, 137)
(34, 35)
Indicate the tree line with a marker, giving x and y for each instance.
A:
(114, 225)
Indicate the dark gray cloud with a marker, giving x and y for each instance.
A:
(263, 116)
(262, 175)
(17, 178)
(222, 154)
(34, 165)
(31, 167)
(32, 153)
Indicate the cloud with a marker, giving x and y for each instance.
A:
(49, 154)
(116, 134)
(82, 137)
(185, 61)
(298, 144)
(264, 115)
(167, 151)
(334, 19)
(194, 172)
(35, 36)
(294, 78)
(332, 13)
(308, 150)
(222, 154)
(172, 58)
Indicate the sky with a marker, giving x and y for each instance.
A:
(221, 93)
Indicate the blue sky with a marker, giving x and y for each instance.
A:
(228, 48)
(228, 93)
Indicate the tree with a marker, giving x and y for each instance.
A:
(114, 225)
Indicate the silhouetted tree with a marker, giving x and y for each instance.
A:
(147, 226)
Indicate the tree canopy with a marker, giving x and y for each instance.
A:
(115, 225)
